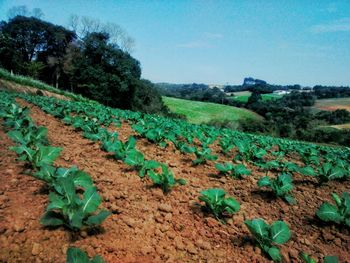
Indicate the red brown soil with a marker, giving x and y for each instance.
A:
(335, 107)
(147, 226)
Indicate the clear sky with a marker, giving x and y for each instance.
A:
(219, 42)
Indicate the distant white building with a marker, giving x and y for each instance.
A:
(281, 92)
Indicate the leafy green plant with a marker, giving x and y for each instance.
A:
(203, 155)
(42, 155)
(51, 174)
(183, 147)
(269, 236)
(235, 171)
(68, 209)
(137, 160)
(76, 255)
(30, 136)
(226, 145)
(248, 151)
(165, 179)
(328, 172)
(217, 204)
(306, 258)
(326, 259)
(15, 116)
(280, 186)
(339, 213)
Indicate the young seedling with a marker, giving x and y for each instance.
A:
(328, 172)
(76, 255)
(226, 145)
(67, 208)
(281, 186)
(165, 179)
(235, 171)
(339, 213)
(269, 236)
(249, 152)
(217, 204)
(203, 155)
(137, 160)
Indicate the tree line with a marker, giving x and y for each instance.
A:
(91, 59)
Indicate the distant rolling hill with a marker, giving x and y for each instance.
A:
(203, 112)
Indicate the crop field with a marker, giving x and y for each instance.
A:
(243, 96)
(333, 104)
(202, 112)
(121, 186)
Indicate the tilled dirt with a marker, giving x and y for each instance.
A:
(147, 226)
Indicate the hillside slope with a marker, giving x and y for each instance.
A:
(202, 112)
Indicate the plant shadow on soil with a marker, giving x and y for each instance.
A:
(265, 195)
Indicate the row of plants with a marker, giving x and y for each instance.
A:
(281, 186)
(73, 199)
(95, 128)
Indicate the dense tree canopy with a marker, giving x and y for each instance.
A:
(94, 66)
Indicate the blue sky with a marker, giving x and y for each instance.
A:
(219, 42)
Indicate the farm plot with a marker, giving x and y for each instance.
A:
(333, 104)
(148, 225)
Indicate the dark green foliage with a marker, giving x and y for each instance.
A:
(235, 171)
(268, 236)
(67, 208)
(93, 66)
(203, 155)
(339, 213)
(76, 255)
(165, 179)
(280, 186)
(217, 204)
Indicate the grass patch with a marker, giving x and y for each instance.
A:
(243, 96)
(203, 112)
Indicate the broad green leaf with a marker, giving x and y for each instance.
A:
(330, 259)
(97, 259)
(232, 205)
(91, 200)
(258, 227)
(280, 232)
(98, 219)
(214, 194)
(275, 254)
(328, 212)
(76, 255)
(47, 155)
(264, 181)
(51, 218)
(56, 201)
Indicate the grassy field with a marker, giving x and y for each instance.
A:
(243, 96)
(202, 112)
(333, 104)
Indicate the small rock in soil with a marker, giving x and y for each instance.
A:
(168, 217)
(178, 243)
(165, 208)
(18, 227)
(211, 222)
(337, 241)
(130, 222)
(191, 249)
(293, 253)
(36, 249)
